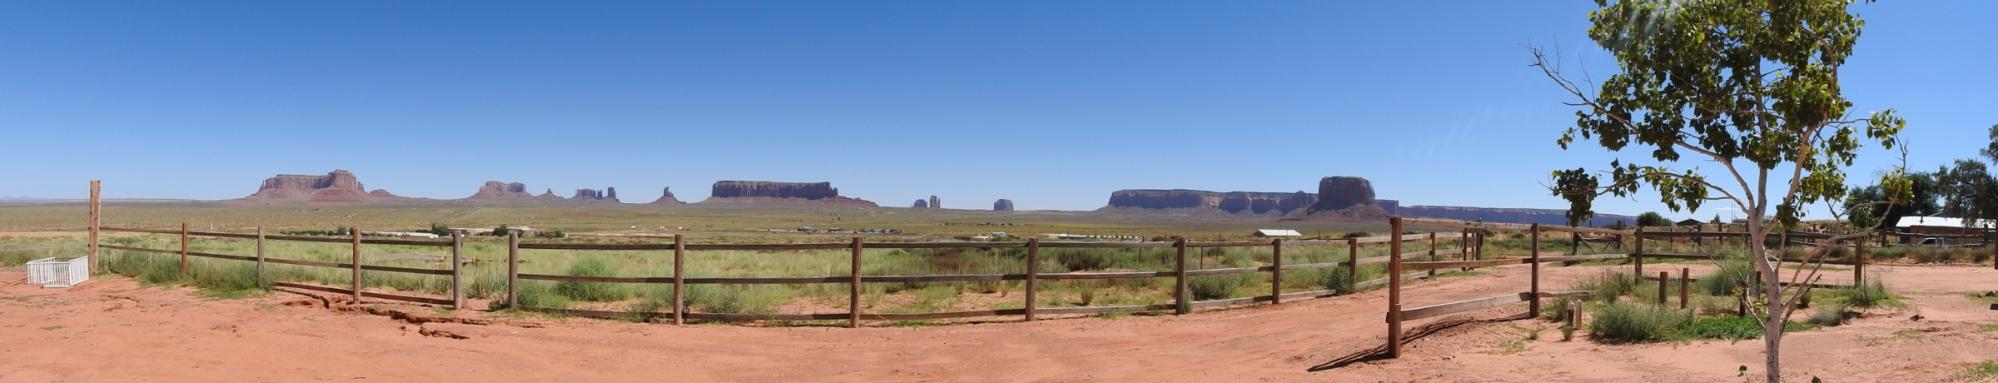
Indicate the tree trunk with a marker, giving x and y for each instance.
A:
(1772, 287)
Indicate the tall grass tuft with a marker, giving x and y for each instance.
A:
(1866, 295)
(1828, 315)
(1608, 286)
(1217, 286)
(1621, 322)
(1734, 272)
(747, 299)
(592, 291)
(1338, 279)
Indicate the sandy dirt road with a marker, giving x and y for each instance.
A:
(111, 329)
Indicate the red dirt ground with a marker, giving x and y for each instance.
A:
(111, 329)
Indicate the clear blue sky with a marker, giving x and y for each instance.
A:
(1051, 104)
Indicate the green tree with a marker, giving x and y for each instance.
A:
(1652, 218)
(1991, 149)
(1967, 191)
(1752, 86)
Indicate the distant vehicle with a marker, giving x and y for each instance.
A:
(1931, 241)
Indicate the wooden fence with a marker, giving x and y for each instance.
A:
(1181, 303)
(1396, 314)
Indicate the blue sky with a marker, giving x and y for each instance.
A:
(1051, 104)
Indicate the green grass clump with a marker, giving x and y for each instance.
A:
(534, 294)
(1216, 287)
(1828, 315)
(1338, 279)
(1867, 295)
(1734, 272)
(749, 299)
(1981, 371)
(1608, 286)
(1621, 322)
(592, 291)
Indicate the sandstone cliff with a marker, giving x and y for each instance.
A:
(920, 204)
(666, 197)
(1002, 205)
(606, 195)
(495, 190)
(1201, 200)
(338, 186)
(754, 192)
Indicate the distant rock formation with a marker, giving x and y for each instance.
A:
(1506, 215)
(666, 197)
(495, 190)
(935, 203)
(609, 194)
(338, 186)
(1002, 205)
(1199, 200)
(921, 204)
(1336, 193)
(780, 192)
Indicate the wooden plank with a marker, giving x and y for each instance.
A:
(1107, 275)
(943, 278)
(942, 315)
(1582, 230)
(1418, 266)
(1226, 271)
(1308, 266)
(300, 238)
(1564, 294)
(1230, 302)
(580, 278)
(768, 246)
(766, 280)
(597, 246)
(137, 230)
(369, 294)
(1442, 309)
(1584, 257)
(1228, 244)
(1310, 294)
(406, 270)
(221, 256)
(946, 245)
(596, 314)
(1696, 257)
(1784, 284)
(764, 317)
(1105, 245)
(217, 234)
(1684, 234)
(1105, 309)
(301, 262)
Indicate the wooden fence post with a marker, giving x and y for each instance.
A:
(679, 279)
(356, 232)
(853, 288)
(1033, 273)
(512, 269)
(183, 248)
(1685, 285)
(96, 213)
(260, 252)
(1276, 271)
(1637, 254)
(1858, 261)
(457, 270)
(1353, 260)
(1533, 259)
(1394, 288)
(1664, 277)
(1179, 302)
(1432, 252)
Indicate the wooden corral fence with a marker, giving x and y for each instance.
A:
(854, 279)
(1396, 314)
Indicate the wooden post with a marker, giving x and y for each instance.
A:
(183, 248)
(1994, 248)
(512, 269)
(1432, 252)
(1637, 255)
(679, 279)
(457, 270)
(1664, 277)
(1858, 261)
(1353, 259)
(260, 252)
(1685, 285)
(356, 232)
(96, 214)
(1033, 273)
(1394, 288)
(1179, 302)
(853, 289)
(1276, 271)
(1533, 260)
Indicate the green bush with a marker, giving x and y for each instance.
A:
(1216, 287)
(1620, 322)
(1608, 286)
(1866, 295)
(1338, 279)
(1828, 314)
(1734, 272)
(592, 291)
(1084, 260)
(1723, 327)
(750, 299)
(534, 294)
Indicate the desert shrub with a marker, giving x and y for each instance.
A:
(1828, 314)
(534, 294)
(1337, 279)
(1608, 286)
(1356, 234)
(1734, 272)
(148, 269)
(591, 291)
(1620, 322)
(486, 282)
(748, 299)
(1216, 286)
(1084, 260)
(1723, 327)
(1866, 295)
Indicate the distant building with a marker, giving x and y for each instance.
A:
(1278, 233)
(1689, 222)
